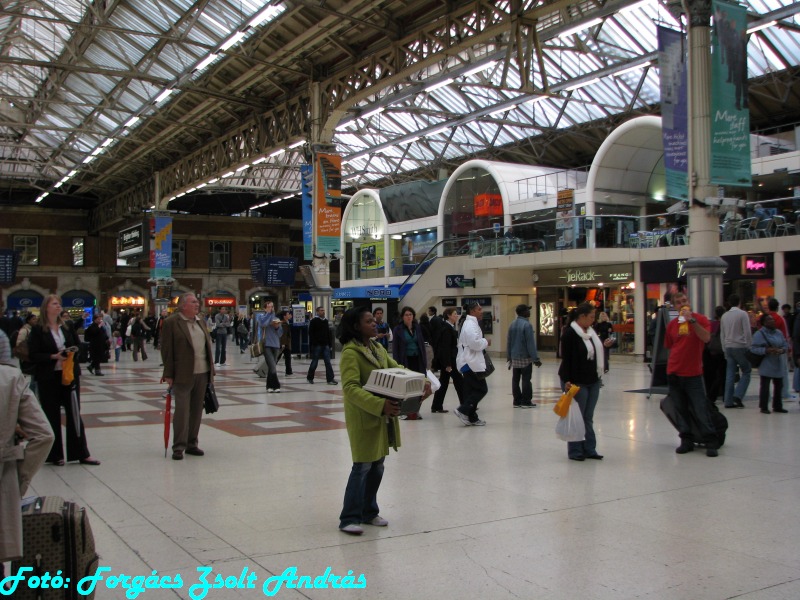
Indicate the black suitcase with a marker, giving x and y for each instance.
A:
(56, 536)
(83, 352)
(717, 419)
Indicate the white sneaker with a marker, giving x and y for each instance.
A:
(270, 391)
(352, 529)
(277, 390)
(378, 522)
(464, 418)
(479, 423)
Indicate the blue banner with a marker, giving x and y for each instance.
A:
(730, 115)
(674, 111)
(306, 179)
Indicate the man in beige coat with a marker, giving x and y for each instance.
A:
(187, 356)
(25, 440)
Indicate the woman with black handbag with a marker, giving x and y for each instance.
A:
(770, 343)
(49, 345)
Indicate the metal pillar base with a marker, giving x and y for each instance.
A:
(704, 279)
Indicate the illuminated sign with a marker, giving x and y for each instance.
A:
(754, 265)
(127, 300)
(221, 301)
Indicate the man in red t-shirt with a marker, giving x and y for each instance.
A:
(686, 337)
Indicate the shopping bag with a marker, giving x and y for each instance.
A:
(571, 427)
(435, 383)
(562, 406)
(68, 369)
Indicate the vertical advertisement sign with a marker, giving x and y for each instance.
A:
(328, 202)
(306, 185)
(565, 219)
(674, 124)
(730, 116)
(160, 245)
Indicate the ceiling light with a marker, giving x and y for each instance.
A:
(297, 144)
(277, 152)
(229, 174)
(762, 26)
(212, 181)
(372, 113)
(581, 84)
(132, 121)
(479, 68)
(258, 161)
(234, 39)
(436, 86)
(206, 61)
(163, 96)
(43, 196)
(579, 27)
(89, 159)
(242, 168)
(108, 142)
(270, 12)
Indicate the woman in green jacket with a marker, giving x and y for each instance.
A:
(372, 424)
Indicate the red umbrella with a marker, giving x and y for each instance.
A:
(167, 411)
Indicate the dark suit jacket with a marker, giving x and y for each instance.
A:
(177, 351)
(41, 346)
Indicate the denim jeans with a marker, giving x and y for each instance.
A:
(361, 495)
(587, 401)
(325, 352)
(736, 357)
(221, 346)
(521, 388)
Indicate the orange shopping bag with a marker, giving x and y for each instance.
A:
(68, 372)
(562, 406)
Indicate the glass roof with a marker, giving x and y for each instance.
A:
(78, 78)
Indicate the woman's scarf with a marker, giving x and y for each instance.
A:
(371, 352)
(594, 347)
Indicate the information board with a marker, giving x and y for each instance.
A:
(273, 270)
(9, 259)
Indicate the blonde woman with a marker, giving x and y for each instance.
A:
(48, 344)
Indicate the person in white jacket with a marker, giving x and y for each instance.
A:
(471, 364)
(25, 440)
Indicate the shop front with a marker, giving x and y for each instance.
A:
(24, 301)
(80, 305)
(127, 302)
(610, 288)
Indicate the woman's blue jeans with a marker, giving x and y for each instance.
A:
(587, 400)
(361, 494)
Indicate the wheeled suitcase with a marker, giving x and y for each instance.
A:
(56, 536)
(83, 352)
(718, 420)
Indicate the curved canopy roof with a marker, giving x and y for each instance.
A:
(117, 104)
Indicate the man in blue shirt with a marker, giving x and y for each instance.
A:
(522, 355)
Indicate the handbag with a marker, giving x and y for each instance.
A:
(489, 366)
(210, 402)
(256, 350)
(754, 359)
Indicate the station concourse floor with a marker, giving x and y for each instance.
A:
(489, 512)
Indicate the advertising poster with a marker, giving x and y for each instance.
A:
(306, 183)
(672, 60)
(730, 115)
(161, 246)
(328, 202)
(565, 219)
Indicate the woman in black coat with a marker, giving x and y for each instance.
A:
(446, 352)
(99, 344)
(48, 344)
(408, 346)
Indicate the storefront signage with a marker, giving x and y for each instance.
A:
(221, 301)
(127, 300)
(754, 265)
(584, 276)
(370, 292)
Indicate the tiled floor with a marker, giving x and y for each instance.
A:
(475, 512)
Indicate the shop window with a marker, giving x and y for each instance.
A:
(28, 248)
(178, 254)
(77, 251)
(262, 249)
(220, 255)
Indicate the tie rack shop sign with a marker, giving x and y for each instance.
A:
(585, 276)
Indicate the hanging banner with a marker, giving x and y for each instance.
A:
(672, 60)
(565, 219)
(306, 184)
(328, 202)
(160, 245)
(730, 116)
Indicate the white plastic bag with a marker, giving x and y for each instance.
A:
(435, 383)
(571, 427)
